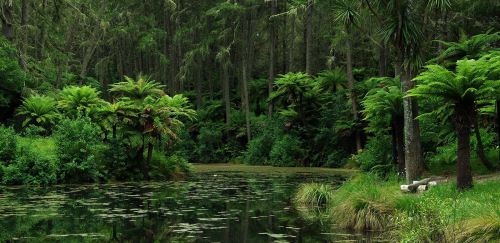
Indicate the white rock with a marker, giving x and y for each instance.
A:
(404, 188)
(422, 188)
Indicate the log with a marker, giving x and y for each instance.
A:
(420, 186)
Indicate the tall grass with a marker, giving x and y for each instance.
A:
(314, 194)
(441, 214)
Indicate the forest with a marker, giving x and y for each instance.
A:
(381, 92)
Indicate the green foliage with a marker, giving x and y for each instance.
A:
(39, 110)
(258, 150)
(8, 143)
(11, 75)
(168, 167)
(314, 195)
(117, 162)
(287, 151)
(266, 132)
(376, 157)
(291, 88)
(470, 48)
(78, 101)
(31, 167)
(209, 144)
(78, 147)
(383, 103)
(332, 80)
(444, 214)
(33, 131)
(468, 85)
(363, 203)
(138, 89)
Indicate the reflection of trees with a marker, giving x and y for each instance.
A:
(235, 207)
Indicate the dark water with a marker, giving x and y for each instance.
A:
(222, 207)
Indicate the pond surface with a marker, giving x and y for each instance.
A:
(209, 207)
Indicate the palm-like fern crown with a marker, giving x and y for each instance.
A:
(41, 110)
(138, 89)
(383, 102)
(332, 80)
(467, 86)
(291, 85)
(470, 48)
(79, 99)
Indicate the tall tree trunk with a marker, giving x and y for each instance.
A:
(399, 142)
(291, 51)
(413, 153)
(246, 104)
(24, 32)
(198, 85)
(480, 147)
(464, 173)
(352, 92)
(284, 40)
(272, 55)
(6, 18)
(309, 32)
(382, 62)
(225, 88)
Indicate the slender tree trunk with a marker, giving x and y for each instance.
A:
(24, 32)
(6, 19)
(272, 55)
(413, 153)
(382, 62)
(225, 88)
(309, 14)
(284, 41)
(291, 51)
(399, 142)
(464, 174)
(352, 92)
(480, 147)
(198, 84)
(246, 103)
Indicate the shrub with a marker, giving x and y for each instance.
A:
(78, 147)
(167, 167)
(33, 131)
(115, 159)
(8, 143)
(314, 195)
(286, 151)
(209, 149)
(31, 167)
(364, 203)
(377, 155)
(266, 131)
(258, 150)
(336, 159)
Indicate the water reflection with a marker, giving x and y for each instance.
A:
(222, 207)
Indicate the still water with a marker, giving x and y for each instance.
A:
(208, 207)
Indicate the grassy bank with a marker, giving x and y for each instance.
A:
(441, 214)
(225, 167)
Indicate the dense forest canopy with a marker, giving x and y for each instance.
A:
(276, 82)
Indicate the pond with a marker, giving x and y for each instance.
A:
(209, 207)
